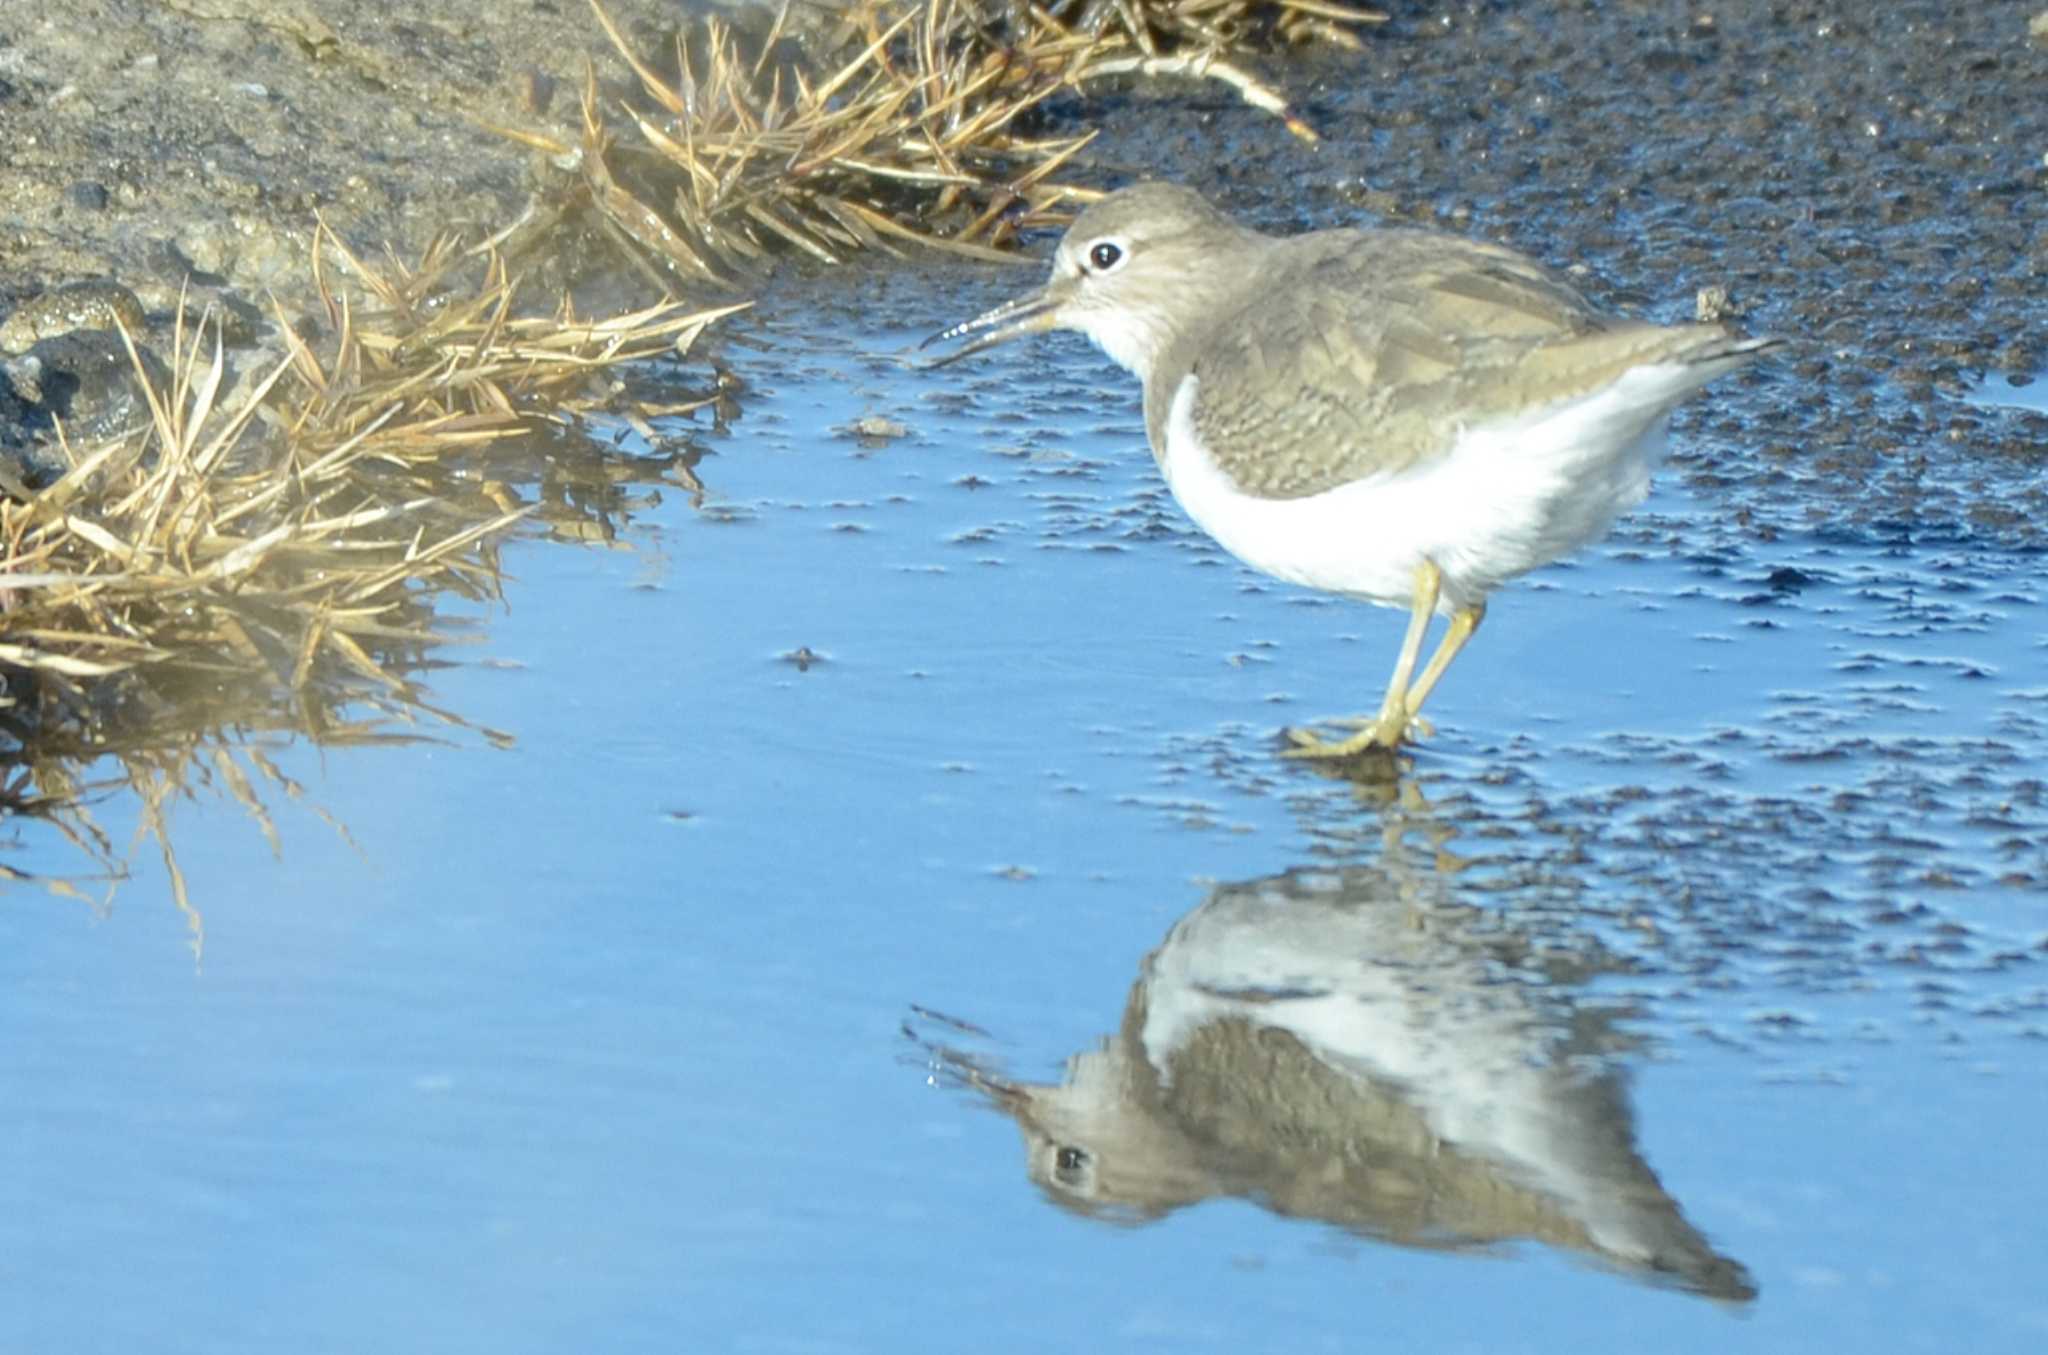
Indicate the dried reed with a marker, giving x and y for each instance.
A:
(277, 563)
(909, 136)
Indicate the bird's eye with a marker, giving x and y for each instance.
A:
(1069, 1160)
(1105, 256)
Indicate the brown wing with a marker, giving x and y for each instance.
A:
(1365, 352)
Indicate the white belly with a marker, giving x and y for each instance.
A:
(1507, 498)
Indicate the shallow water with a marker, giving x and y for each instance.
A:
(699, 1019)
(1999, 393)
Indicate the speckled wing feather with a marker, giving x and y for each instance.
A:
(1407, 337)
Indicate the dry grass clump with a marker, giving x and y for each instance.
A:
(278, 563)
(910, 134)
(1225, 25)
(1189, 38)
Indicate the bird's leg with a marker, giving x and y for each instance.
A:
(1397, 711)
(1464, 622)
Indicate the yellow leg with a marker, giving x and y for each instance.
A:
(1464, 622)
(1428, 584)
(1397, 710)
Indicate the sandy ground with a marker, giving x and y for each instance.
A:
(146, 138)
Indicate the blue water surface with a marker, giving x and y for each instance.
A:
(599, 1042)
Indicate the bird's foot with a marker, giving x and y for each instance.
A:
(1381, 735)
(1309, 746)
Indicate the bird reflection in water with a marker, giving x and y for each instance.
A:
(1353, 1046)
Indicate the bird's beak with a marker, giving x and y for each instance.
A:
(1033, 313)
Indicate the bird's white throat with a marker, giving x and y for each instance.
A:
(1132, 338)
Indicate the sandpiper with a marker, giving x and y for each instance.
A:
(1402, 416)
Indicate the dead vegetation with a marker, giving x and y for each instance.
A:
(731, 150)
(281, 562)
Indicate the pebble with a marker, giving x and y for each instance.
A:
(93, 304)
(87, 379)
(88, 195)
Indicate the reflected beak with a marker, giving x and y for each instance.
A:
(1034, 313)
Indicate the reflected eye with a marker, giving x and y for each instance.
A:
(1105, 256)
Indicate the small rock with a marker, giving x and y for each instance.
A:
(540, 90)
(873, 430)
(93, 304)
(87, 379)
(87, 195)
(240, 322)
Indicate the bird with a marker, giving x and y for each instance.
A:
(1398, 415)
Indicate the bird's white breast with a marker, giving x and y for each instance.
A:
(1506, 498)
